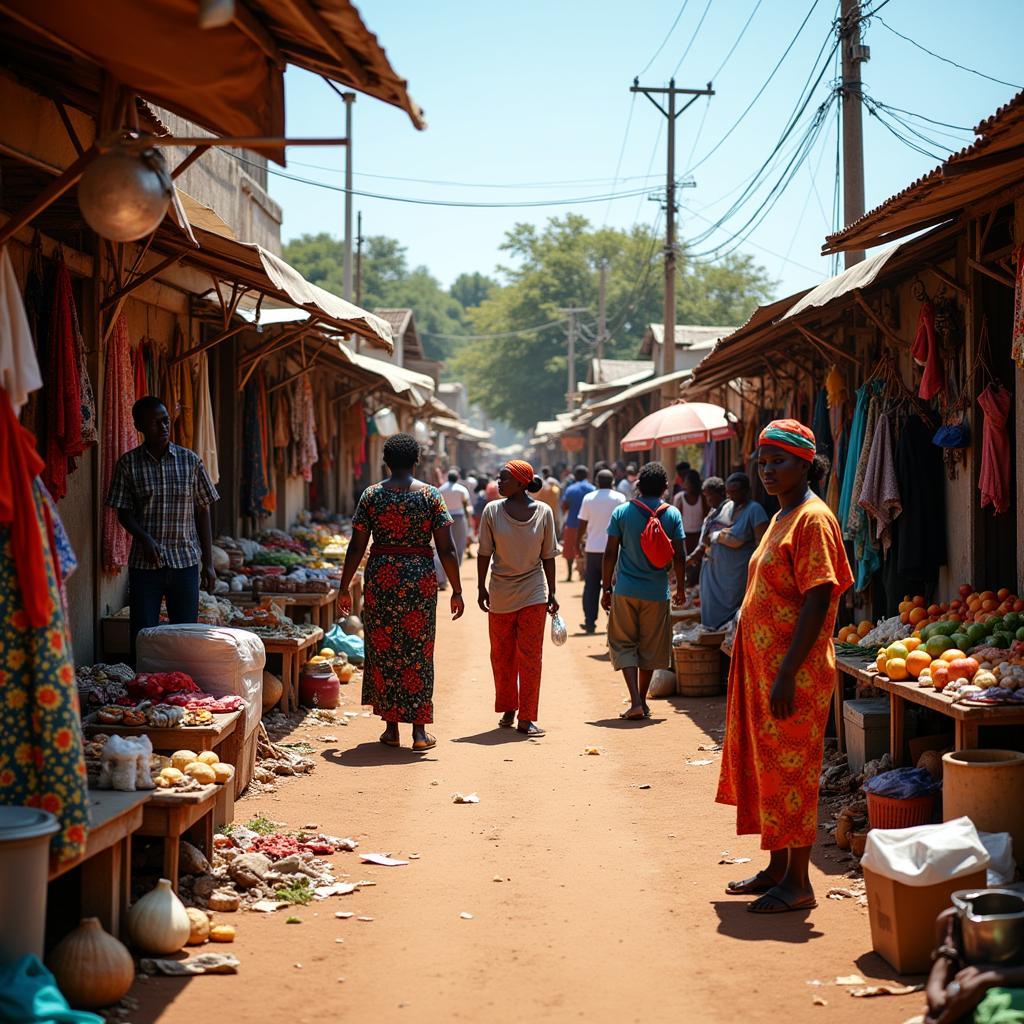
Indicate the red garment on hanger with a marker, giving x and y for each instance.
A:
(925, 352)
(139, 370)
(994, 478)
(20, 464)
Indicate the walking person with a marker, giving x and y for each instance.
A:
(783, 672)
(163, 495)
(690, 502)
(595, 514)
(401, 514)
(551, 493)
(640, 623)
(572, 499)
(459, 504)
(517, 543)
(627, 485)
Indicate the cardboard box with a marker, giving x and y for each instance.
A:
(903, 917)
(867, 729)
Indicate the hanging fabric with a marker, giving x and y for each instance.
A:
(307, 454)
(925, 352)
(355, 432)
(854, 443)
(205, 434)
(1017, 330)
(253, 483)
(139, 387)
(858, 528)
(709, 459)
(19, 368)
(119, 436)
(266, 441)
(996, 470)
(880, 494)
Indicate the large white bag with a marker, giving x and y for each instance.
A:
(926, 854)
(221, 660)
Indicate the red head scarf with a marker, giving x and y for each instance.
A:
(521, 471)
(791, 436)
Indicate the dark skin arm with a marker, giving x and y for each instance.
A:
(483, 598)
(611, 559)
(450, 563)
(353, 559)
(550, 573)
(679, 565)
(204, 527)
(150, 548)
(809, 624)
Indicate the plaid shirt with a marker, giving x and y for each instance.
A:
(163, 494)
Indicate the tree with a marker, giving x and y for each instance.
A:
(472, 289)
(518, 374)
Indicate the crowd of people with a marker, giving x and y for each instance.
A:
(634, 536)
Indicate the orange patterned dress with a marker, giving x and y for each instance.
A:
(770, 768)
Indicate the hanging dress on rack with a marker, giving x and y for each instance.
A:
(996, 469)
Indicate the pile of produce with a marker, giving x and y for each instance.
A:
(205, 769)
(338, 661)
(99, 685)
(156, 685)
(289, 631)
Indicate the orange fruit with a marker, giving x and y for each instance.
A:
(986, 595)
(952, 655)
(939, 663)
(916, 661)
(918, 601)
(881, 661)
(864, 628)
(990, 605)
(917, 616)
(905, 618)
(912, 643)
(940, 676)
(954, 617)
(1003, 593)
(896, 669)
(1018, 605)
(934, 609)
(905, 606)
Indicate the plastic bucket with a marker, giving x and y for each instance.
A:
(24, 871)
(888, 812)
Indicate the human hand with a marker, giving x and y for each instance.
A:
(680, 597)
(606, 600)
(345, 604)
(552, 605)
(458, 606)
(964, 993)
(483, 599)
(783, 695)
(151, 551)
(209, 578)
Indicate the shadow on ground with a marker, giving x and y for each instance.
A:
(737, 922)
(374, 755)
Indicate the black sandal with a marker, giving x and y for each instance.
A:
(531, 729)
(388, 742)
(507, 722)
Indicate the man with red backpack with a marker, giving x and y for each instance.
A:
(645, 538)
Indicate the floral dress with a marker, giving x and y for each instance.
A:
(400, 601)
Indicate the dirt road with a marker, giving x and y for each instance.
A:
(593, 881)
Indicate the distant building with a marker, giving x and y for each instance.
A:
(409, 351)
(693, 343)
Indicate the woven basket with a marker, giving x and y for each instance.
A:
(888, 812)
(698, 670)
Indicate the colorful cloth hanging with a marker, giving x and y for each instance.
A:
(205, 432)
(354, 431)
(925, 352)
(19, 368)
(307, 450)
(119, 436)
(880, 494)
(266, 442)
(253, 487)
(1017, 330)
(996, 470)
(854, 444)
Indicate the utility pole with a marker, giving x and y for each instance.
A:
(349, 98)
(854, 54)
(359, 258)
(668, 347)
(571, 313)
(601, 316)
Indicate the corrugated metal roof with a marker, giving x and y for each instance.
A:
(687, 335)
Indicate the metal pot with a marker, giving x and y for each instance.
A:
(992, 925)
(124, 194)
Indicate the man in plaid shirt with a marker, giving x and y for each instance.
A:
(163, 495)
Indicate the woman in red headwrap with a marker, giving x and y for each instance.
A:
(518, 545)
(783, 672)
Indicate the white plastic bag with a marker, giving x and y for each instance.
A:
(926, 854)
(1002, 868)
(663, 683)
(559, 634)
(222, 661)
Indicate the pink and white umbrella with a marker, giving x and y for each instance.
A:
(681, 423)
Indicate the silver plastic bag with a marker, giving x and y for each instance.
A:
(559, 634)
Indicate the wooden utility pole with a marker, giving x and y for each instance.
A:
(349, 98)
(854, 54)
(571, 312)
(359, 258)
(602, 285)
(668, 348)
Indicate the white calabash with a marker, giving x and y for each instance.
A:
(158, 923)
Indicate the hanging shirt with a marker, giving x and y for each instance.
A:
(19, 369)
(994, 478)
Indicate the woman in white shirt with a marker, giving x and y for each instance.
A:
(518, 545)
(690, 502)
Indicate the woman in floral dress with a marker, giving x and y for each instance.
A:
(401, 514)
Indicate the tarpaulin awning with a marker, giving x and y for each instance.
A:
(461, 430)
(417, 387)
(229, 79)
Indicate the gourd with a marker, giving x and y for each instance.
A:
(344, 672)
(181, 759)
(208, 757)
(158, 923)
(272, 690)
(201, 772)
(222, 772)
(200, 926)
(172, 775)
(222, 933)
(91, 968)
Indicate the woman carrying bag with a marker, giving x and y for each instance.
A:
(518, 545)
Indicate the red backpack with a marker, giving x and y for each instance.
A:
(654, 541)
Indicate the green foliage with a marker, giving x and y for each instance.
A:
(472, 289)
(299, 891)
(262, 825)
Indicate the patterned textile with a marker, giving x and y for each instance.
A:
(163, 494)
(521, 471)
(854, 443)
(517, 648)
(307, 450)
(791, 436)
(66, 561)
(770, 767)
(254, 480)
(1017, 330)
(880, 495)
(996, 449)
(400, 602)
(119, 436)
(41, 760)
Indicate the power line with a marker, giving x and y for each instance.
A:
(732, 49)
(668, 35)
(494, 337)
(693, 38)
(938, 56)
(622, 151)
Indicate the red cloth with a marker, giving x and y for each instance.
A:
(139, 371)
(925, 352)
(119, 436)
(994, 478)
(20, 463)
(61, 422)
(517, 646)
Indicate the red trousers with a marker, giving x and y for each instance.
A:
(517, 646)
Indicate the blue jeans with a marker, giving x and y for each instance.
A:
(148, 587)
(592, 588)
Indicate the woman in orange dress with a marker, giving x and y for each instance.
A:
(783, 672)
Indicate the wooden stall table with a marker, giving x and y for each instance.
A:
(967, 718)
(170, 815)
(321, 607)
(856, 670)
(295, 652)
(107, 859)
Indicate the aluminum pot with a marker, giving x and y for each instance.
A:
(124, 195)
(992, 925)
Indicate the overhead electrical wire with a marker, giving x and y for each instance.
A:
(693, 38)
(668, 36)
(938, 56)
(622, 151)
(732, 49)
(886, 123)
(500, 334)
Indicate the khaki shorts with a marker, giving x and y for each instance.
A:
(640, 633)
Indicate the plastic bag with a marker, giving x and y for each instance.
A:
(1002, 869)
(902, 783)
(663, 683)
(926, 855)
(346, 643)
(559, 634)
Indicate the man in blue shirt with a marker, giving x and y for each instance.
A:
(640, 623)
(572, 499)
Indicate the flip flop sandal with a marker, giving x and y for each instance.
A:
(389, 743)
(420, 745)
(506, 723)
(531, 730)
(781, 906)
(758, 888)
(628, 716)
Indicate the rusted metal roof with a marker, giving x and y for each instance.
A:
(992, 163)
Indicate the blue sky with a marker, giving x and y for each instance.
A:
(537, 93)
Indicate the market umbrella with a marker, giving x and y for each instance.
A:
(681, 423)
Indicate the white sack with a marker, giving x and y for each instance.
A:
(663, 683)
(222, 661)
(1002, 868)
(926, 854)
